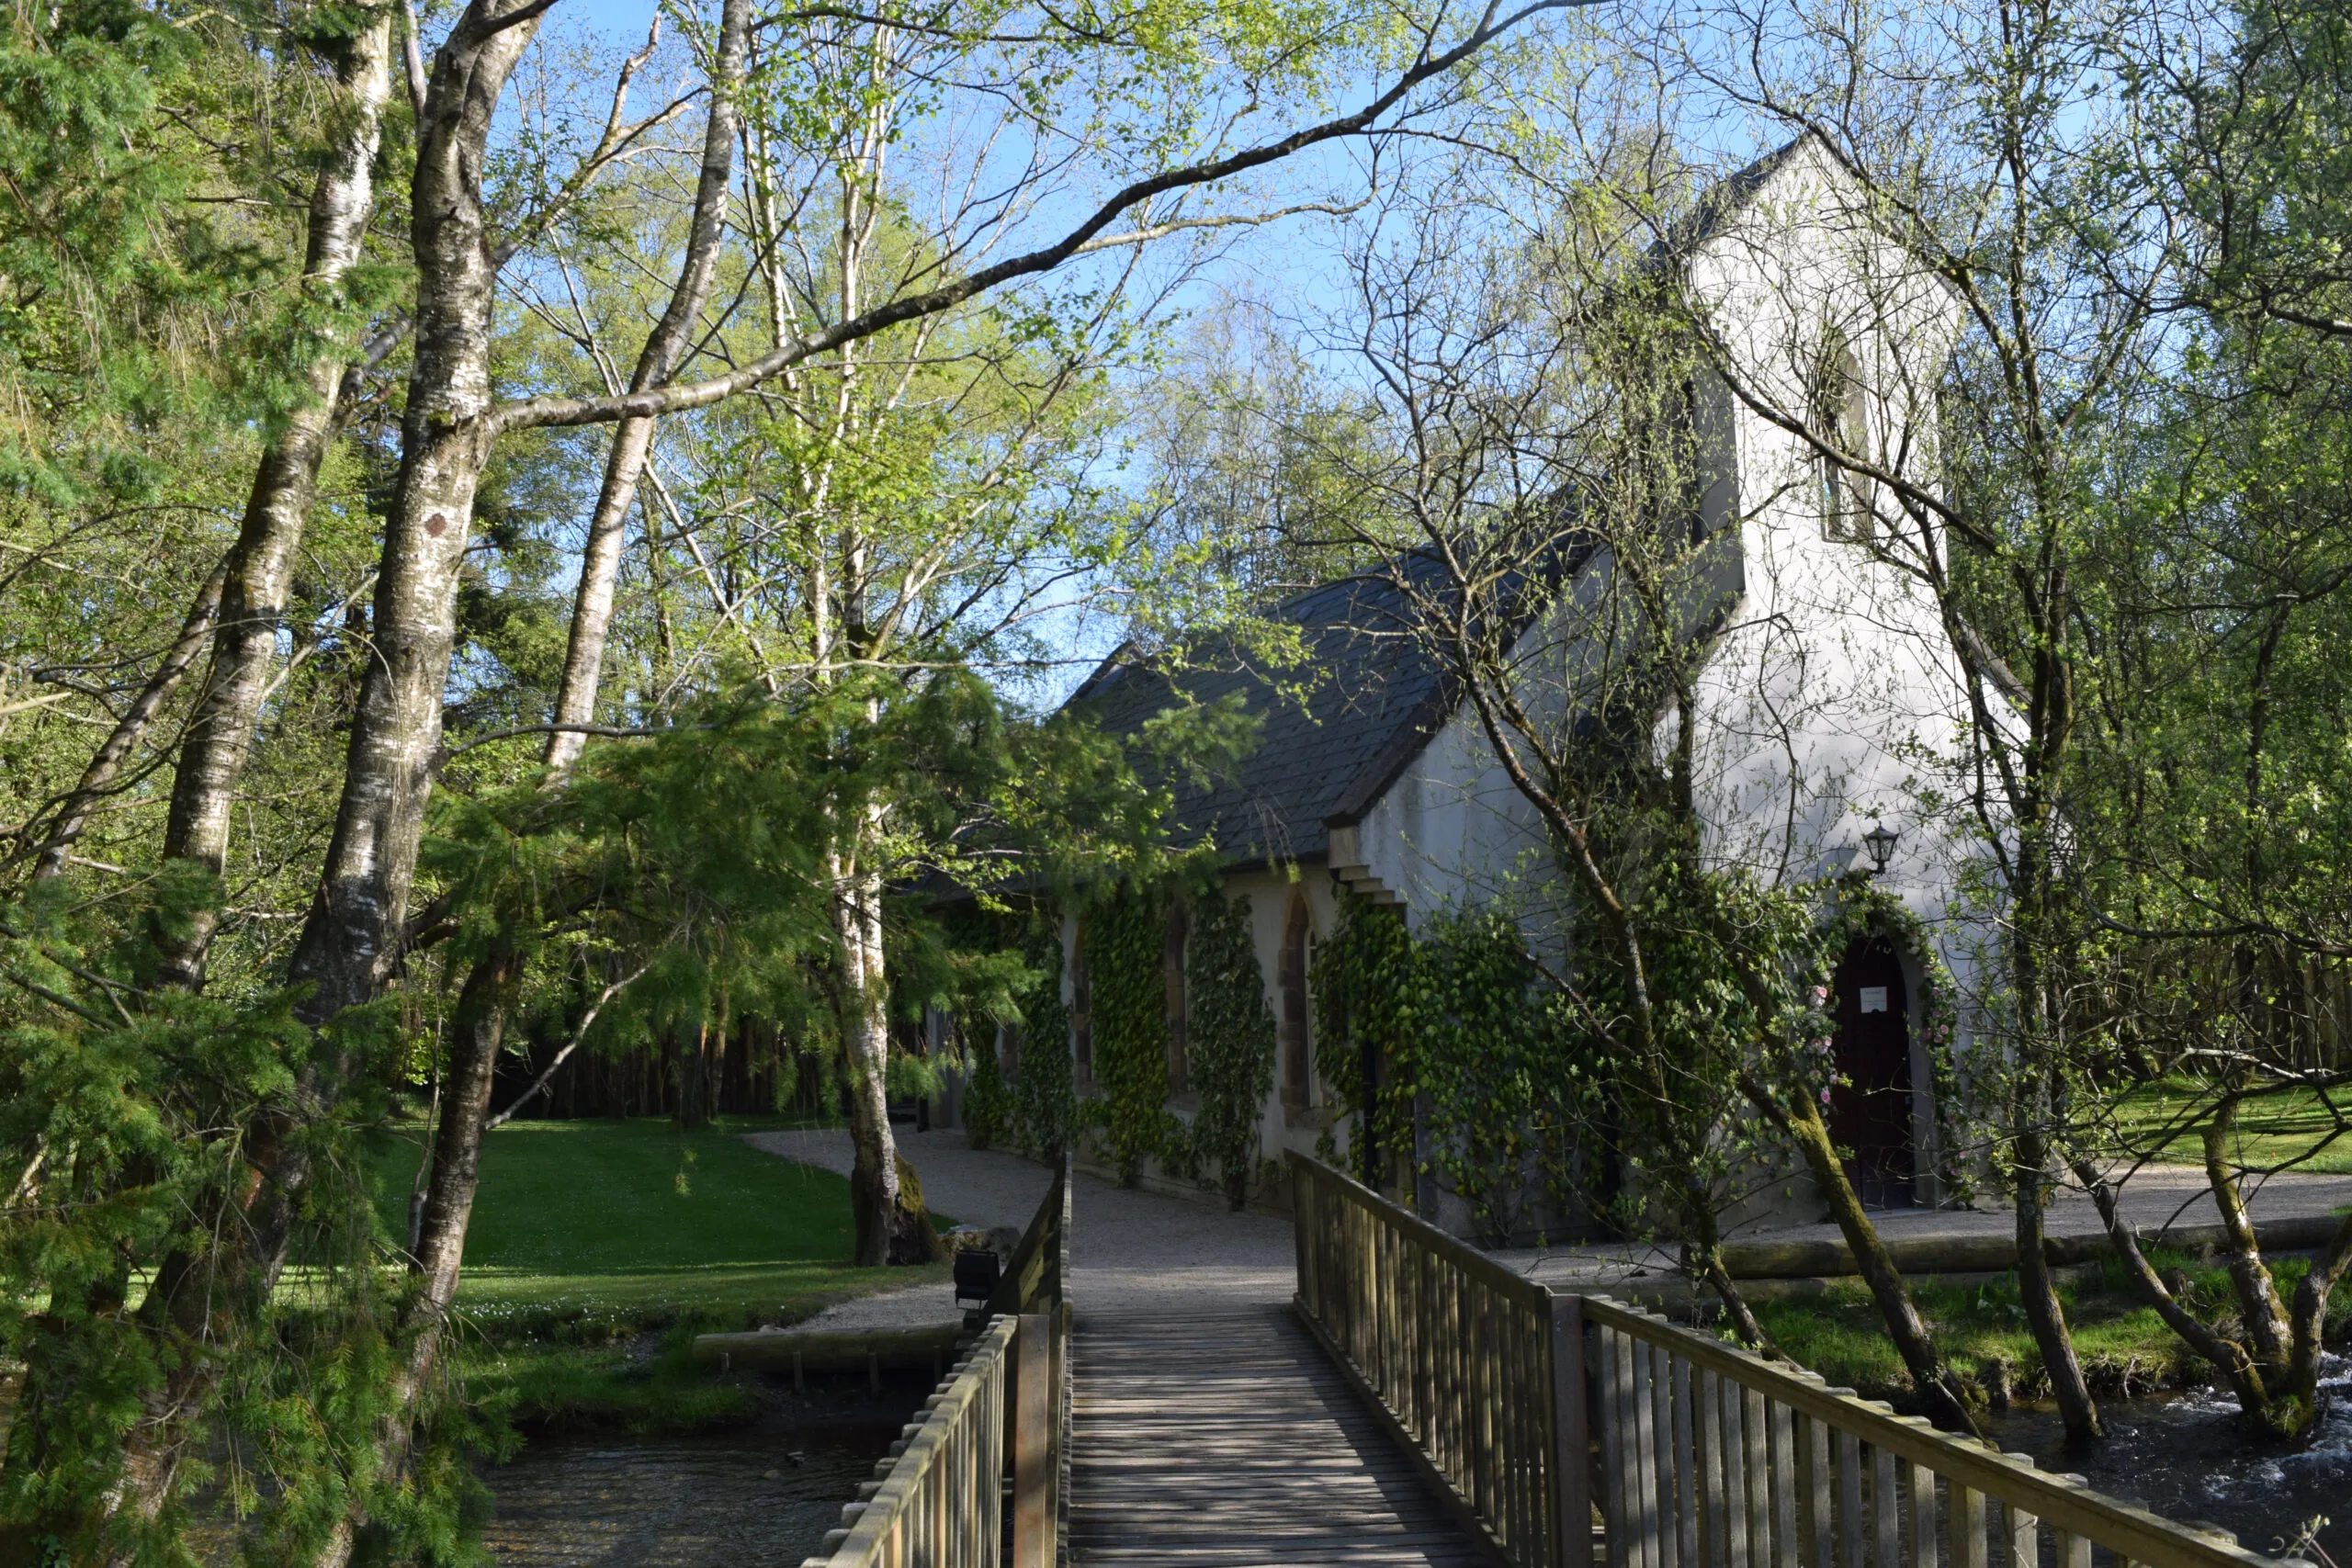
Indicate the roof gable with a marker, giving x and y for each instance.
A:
(1366, 696)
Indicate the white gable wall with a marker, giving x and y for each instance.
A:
(1831, 700)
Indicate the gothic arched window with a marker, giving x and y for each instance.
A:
(1291, 969)
(1839, 421)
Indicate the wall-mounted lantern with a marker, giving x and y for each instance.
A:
(1880, 840)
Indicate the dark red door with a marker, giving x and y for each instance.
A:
(1870, 1109)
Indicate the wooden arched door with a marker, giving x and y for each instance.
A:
(1869, 1108)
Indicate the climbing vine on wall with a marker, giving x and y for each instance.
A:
(991, 1115)
(1362, 982)
(1685, 1142)
(1484, 1082)
(1044, 1117)
(1231, 1043)
(1504, 1080)
(1125, 941)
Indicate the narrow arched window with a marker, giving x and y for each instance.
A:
(1839, 421)
(1290, 975)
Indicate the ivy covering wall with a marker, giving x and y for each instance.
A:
(1045, 1093)
(1034, 1109)
(1231, 1061)
(1125, 937)
(990, 1117)
(1500, 1083)
(1486, 1084)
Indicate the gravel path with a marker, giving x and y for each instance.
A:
(1125, 1246)
(1168, 1254)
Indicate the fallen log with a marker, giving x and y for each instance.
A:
(865, 1350)
(1765, 1259)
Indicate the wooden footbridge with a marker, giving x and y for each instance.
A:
(1418, 1404)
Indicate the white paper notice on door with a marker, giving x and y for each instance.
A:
(1873, 999)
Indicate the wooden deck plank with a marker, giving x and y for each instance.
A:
(1223, 1439)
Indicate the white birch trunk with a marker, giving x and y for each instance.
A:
(351, 936)
(253, 597)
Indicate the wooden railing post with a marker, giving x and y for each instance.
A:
(1302, 1217)
(1033, 1455)
(1571, 1445)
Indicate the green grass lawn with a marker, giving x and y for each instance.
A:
(599, 1249)
(2124, 1346)
(2273, 1127)
(634, 1223)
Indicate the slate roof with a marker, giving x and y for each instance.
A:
(1338, 726)
(1334, 729)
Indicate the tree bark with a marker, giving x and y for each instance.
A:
(201, 1289)
(2256, 1397)
(2310, 1321)
(591, 613)
(253, 597)
(865, 1044)
(435, 1267)
(350, 938)
(2038, 1289)
(2259, 1308)
(1935, 1383)
(105, 765)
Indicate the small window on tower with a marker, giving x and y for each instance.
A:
(1839, 425)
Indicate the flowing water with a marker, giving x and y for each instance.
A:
(768, 1495)
(2187, 1457)
(759, 1497)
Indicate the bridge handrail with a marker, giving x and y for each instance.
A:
(1459, 1351)
(1002, 1413)
(1708, 1453)
(1033, 1278)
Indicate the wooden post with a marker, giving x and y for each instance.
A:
(1571, 1443)
(1886, 1511)
(1032, 1524)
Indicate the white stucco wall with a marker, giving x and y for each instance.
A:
(1831, 700)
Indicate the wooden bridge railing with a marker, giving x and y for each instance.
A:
(1001, 1415)
(1481, 1368)
(1703, 1455)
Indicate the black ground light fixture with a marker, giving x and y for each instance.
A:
(1880, 840)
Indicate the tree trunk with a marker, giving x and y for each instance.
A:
(2037, 1288)
(2254, 1396)
(1935, 1381)
(253, 596)
(2259, 1308)
(485, 1001)
(106, 765)
(201, 1289)
(693, 1080)
(350, 938)
(2310, 1321)
(865, 1043)
(479, 1030)
(591, 613)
